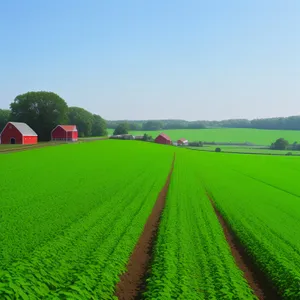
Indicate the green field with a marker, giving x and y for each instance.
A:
(244, 149)
(227, 135)
(70, 217)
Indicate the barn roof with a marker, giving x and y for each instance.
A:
(23, 128)
(182, 140)
(165, 136)
(68, 127)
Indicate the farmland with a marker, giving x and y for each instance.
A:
(245, 149)
(70, 221)
(71, 217)
(228, 135)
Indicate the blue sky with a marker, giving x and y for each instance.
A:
(158, 59)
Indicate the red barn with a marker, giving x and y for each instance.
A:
(163, 139)
(182, 142)
(18, 133)
(64, 133)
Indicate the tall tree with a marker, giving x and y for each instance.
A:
(122, 128)
(42, 111)
(4, 117)
(83, 119)
(99, 126)
(280, 144)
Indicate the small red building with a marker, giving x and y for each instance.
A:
(67, 133)
(182, 142)
(163, 139)
(18, 133)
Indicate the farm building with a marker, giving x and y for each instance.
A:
(18, 133)
(127, 136)
(122, 137)
(163, 139)
(182, 142)
(64, 133)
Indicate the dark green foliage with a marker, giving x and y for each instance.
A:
(147, 138)
(98, 126)
(122, 128)
(4, 117)
(289, 123)
(82, 119)
(218, 149)
(153, 125)
(280, 144)
(42, 111)
(196, 125)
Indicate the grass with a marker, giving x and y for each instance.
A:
(71, 215)
(191, 258)
(245, 149)
(259, 198)
(227, 135)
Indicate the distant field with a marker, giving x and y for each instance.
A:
(244, 149)
(225, 135)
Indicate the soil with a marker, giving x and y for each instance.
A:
(257, 280)
(133, 283)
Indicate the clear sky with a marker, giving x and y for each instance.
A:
(155, 59)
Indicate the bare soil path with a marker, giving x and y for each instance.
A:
(133, 283)
(256, 279)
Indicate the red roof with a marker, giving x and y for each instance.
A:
(165, 136)
(68, 127)
(182, 140)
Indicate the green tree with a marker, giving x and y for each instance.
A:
(122, 128)
(152, 125)
(83, 119)
(4, 117)
(42, 111)
(98, 126)
(280, 144)
(147, 138)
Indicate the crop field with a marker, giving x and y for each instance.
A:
(227, 135)
(71, 215)
(74, 217)
(259, 198)
(245, 149)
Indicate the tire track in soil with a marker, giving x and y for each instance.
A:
(133, 282)
(257, 280)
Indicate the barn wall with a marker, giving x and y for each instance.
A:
(29, 140)
(9, 132)
(58, 133)
(73, 135)
(162, 140)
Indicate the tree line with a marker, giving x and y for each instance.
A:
(287, 123)
(42, 111)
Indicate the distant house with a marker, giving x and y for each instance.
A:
(163, 139)
(66, 133)
(127, 136)
(182, 142)
(18, 133)
(122, 137)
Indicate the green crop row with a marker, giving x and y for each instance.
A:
(70, 233)
(263, 210)
(192, 259)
